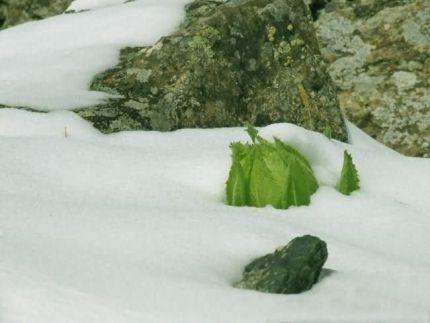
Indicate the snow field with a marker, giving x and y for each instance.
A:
(133, 227)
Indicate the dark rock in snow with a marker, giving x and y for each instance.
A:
(289, 270)
(230, 63)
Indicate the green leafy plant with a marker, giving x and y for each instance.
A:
(265, 173)
(349, 180)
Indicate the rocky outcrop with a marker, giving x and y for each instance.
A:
(230, 63)
(378, 53)
(14, 12)
(292, 269)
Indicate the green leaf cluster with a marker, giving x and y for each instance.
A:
(264, 173)
(349, 180)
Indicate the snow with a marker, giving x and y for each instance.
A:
(132, 227)
(49, 64)
(78, 5)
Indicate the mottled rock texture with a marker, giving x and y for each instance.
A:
(230, 63)
(289, 270)
(378, 53)
(14, 12)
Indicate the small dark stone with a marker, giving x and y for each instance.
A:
(292, 269)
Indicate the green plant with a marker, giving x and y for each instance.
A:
(265, 173)
(349, 180)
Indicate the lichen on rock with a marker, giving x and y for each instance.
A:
(14, 12)
(378, 53)
(230, 63)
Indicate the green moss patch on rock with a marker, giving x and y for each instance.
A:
(230, 63)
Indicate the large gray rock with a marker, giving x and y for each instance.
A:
(230, 63)
(14, 12)
(378, 53)
(289, 270)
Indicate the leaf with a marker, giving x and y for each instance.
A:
(247, 155)
(301, 183)
(287, 152)
(252, 132)
(236, 188)
(267, 178)
(349, 180)
(260, 183)
(281, 177)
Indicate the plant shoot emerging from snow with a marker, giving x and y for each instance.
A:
(265, 173)
(349, 180)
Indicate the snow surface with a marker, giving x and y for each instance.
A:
(78, 5)
(49, 64)
(132, 227)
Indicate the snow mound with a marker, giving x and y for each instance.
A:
(80, 5)
(132, 227)
(49, 64)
